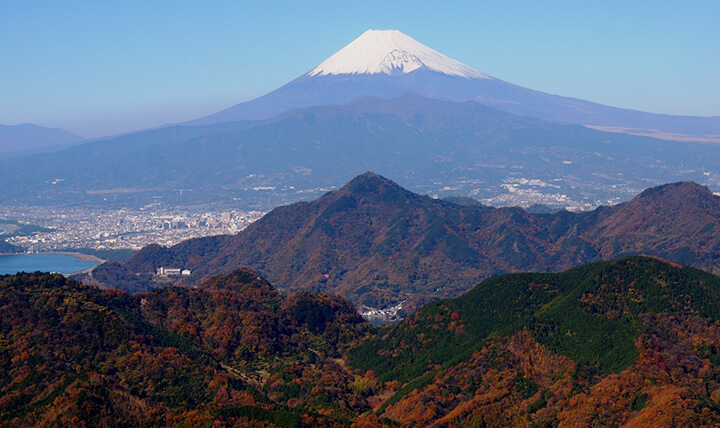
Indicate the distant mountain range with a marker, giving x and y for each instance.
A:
(389, 64)
(389, 104)
(378, 244)
(628, 342)
(437, 147)
(25, 139)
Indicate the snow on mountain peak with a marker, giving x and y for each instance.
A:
(391, 52)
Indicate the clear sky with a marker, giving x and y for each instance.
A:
(103, 67)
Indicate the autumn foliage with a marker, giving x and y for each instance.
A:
(632, 342)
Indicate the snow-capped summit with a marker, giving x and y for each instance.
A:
(388, 64)
(391, 52)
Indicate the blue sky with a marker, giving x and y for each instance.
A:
(102, 67)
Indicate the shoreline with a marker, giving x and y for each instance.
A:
(80, 256)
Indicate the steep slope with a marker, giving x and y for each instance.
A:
(372, 241)
(73, 355)
(628, 341)
(379, 244)
(388, 63)
(678, 221)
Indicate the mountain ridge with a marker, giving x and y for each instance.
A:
(591, 345)
(75, 355)
(429, 144)
(352, 73)
(626, 342)
(378, 244)
(28, 138)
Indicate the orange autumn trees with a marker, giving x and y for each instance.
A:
(631, 342)
(72, 354)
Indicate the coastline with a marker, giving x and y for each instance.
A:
(80, 256)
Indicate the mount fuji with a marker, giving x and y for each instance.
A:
(384, 103)
(388, 64)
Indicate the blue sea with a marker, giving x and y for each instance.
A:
(60, 263)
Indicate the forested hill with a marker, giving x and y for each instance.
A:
(73, 355)
(628, 342)
(632, 341)
(378, 244)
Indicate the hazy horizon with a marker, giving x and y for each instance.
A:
(101, 69)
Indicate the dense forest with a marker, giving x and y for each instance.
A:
(232, 350)
(634, 341)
